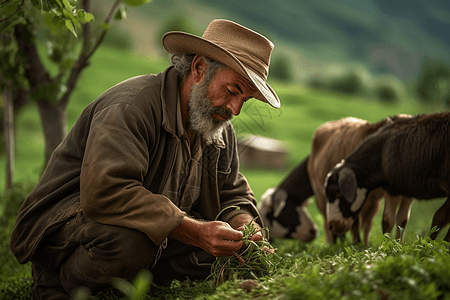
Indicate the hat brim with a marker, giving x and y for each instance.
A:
(178, 42)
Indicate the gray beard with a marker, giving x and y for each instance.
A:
(201, 111)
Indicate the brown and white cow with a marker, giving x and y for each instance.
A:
(284, 208)
(407, 157)
(332, 142)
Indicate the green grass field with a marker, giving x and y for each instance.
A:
(308, 271)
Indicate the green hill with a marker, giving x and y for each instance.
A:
(385, 36)
(382, 36)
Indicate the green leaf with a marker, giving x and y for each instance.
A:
(57, 12)
(67, 5)
(121, 13)
(75, 20)
(88, 17)
(53, 22)
(433, 230)
(124, 286)
(70, 26)
(142, 284)
(81, 14)
(59, 3)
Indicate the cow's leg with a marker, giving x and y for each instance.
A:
(390, 207)
(368, 212)
(403, 214)
(321, 201)
(441, 218)
(329, 235)
(355, 230)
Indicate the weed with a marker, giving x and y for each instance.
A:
(254, 260)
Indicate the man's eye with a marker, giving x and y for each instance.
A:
(230, 92)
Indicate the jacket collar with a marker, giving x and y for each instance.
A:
(169, 98)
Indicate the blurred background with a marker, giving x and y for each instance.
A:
(322, 39)
(332, 59)
(366, 43)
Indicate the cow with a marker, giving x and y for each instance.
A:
(334, 141)
(407, 157)
(284, 208)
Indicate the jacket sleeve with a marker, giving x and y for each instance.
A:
(115, 163)
(235, 190)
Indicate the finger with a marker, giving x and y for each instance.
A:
(228, 247)
(240, 228)
(231, 234)
(257, 237)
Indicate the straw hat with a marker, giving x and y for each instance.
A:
(244, 50)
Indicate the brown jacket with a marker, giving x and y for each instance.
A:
(121, 152)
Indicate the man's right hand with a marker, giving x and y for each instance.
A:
(215, 237)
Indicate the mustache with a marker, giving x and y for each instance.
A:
(222, 111)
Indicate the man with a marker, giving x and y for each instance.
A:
(149, 165)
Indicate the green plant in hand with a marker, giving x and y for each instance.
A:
(254, 260)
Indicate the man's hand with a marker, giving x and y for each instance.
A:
(215, 237)
(238, 222)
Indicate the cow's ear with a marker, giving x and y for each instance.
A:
(267, 199)
(279, 201)
(347, 184)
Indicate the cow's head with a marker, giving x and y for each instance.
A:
(344, 198)
(284, 218)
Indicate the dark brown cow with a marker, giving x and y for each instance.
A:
(334, 141)
(408, 157)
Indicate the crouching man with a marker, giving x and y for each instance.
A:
(140, 178)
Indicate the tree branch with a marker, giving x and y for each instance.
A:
(18, 8)
(105, 31)
(86, 27)
(84, 57)
(34, 70)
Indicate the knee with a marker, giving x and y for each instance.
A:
(116, 249)
(117, 252)
(132, 248)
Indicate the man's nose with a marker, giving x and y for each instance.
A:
(235, 106)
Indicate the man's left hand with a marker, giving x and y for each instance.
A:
(238, 222)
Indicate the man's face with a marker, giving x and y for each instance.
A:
(215, 100)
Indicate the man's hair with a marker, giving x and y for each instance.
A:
(183, 62)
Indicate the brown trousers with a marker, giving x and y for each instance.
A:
(84, 253)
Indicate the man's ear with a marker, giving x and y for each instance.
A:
(198, 69)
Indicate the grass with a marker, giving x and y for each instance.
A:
(415, 269)
(254, 260)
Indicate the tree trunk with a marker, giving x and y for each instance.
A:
(53, 111)
(8, 119)
(53, 119)
(52, 115)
